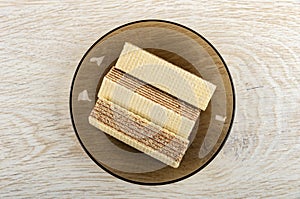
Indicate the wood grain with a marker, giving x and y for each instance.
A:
(41, 44)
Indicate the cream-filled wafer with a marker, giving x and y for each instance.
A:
(149, 102)
(165, 76)
(138, 132)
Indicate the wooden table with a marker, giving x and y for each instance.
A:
(41, 44)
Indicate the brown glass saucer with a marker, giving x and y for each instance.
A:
(180, 46)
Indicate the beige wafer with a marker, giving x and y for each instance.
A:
(149, 102)
(138, 132)
(165, 76)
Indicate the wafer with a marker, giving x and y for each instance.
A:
(138, 132)
(149, 102)
(166, 76)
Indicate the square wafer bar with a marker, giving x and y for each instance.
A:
(138, 132)
(149, 102)
(166, 76)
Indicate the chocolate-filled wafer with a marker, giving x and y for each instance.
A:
(149, 102)
(138, 132)
(166, 76)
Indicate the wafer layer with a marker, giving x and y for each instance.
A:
(149, 102)
(165, 76)
(138, 132)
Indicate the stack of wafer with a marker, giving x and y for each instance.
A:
(150, 104)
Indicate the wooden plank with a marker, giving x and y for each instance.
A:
(41, 44)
